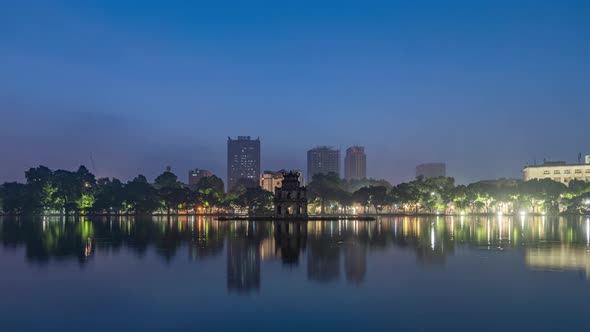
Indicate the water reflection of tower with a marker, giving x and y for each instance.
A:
(290, 238)
(355, 262)
(323, 259)
(243, 265)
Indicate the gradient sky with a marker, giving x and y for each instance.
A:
(485, 86)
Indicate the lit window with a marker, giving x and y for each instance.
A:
(556, 172)
(546, 172)
(578, 171)
(567, 171)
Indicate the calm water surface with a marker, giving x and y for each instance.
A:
(195, 273)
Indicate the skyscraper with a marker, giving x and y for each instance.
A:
(243, 161)
(355, 163)
(322, 160)
(431, 170)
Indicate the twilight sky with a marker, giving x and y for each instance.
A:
(485, 86)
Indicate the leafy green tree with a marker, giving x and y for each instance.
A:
(362, 197)
(462, 198)
(168, 187)
(543, 193)
(256, 201)
(109, 196)
(211, 182)
(356, 184)
(68, 190)
(407, 196)
(140, 196)
(324, 188)
(379, 198)
(14, 196)
(40, 189)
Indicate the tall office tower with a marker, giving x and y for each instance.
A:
(355, 163)
(431, 170)
(243, 161)
(322, 160)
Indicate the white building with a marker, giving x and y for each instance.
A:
(558, 171)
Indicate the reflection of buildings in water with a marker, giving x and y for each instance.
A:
(202, 248)
(323, 266)
(323, 258)
(562, 258)
(243, 265)
(355, 262)
(269, 250)
(290, 239)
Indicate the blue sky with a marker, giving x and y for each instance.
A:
(485, 86)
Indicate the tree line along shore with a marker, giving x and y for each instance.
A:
(79, 192)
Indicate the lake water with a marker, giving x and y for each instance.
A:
(196, 273)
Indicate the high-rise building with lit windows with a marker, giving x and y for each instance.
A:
(322, 160)
(243, 161)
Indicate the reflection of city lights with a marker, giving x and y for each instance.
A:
(432, 237)
(500, 224)
(522, 213)
(488, 231)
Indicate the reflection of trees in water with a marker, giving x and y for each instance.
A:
(45, 238)
(324, 243)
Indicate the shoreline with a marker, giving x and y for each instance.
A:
(225, 216)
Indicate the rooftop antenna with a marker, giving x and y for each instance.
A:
(579, 157)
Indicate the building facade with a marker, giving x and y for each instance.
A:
(195, 175)
(431, 170)
(355, 163)
(558, 171)
(322, 160)
(270, 181)
(243, 161)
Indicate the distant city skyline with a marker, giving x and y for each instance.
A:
(485, 86)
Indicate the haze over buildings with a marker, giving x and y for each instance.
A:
(468, 82)
(322, 160)
(355, 163)
(431, 170)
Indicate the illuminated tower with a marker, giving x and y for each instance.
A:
(243, 162)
